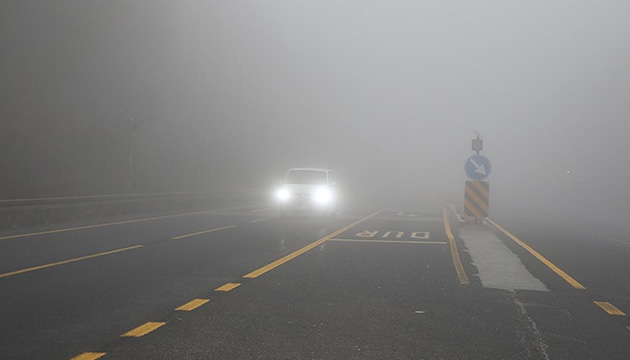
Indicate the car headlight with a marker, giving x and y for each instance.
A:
(283, 195)
(323, 196)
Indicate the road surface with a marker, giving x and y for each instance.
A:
(395, 282)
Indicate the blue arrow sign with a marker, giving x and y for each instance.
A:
(478, 167)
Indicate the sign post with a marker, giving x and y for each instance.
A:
(477, 191)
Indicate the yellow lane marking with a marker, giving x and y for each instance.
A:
(89, 356)
(192, 305)
(609, 308)
(143, 329)
(202, 232)
(228, 287)
(472, 208)
(536, 254)
(120, 222)
(391, 241)
(68, 261)
(259, 220)
(457, 261)
(256, 273)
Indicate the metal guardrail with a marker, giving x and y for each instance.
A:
(31, 212)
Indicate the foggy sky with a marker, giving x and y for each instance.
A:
(229, 94)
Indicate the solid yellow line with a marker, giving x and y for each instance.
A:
(536, 254)
(256, 273)
(259, 220)
(89, 356)
(457, 261)
(228, 287)
(391, 241)
(192, 305)
(67, 261)
(609, 308)
(119, 223)
(202, 232)
(143, 329)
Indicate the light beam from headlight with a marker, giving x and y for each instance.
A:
(283, 195)
(323, 196)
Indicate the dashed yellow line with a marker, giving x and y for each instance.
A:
(256, 273)
(609, 308)
(202, 232)
(143, 329)
(192, 305)
(228, 287)
(457, 261)
(537, 255)
(17, 272)
(120, 222)
(89, 356)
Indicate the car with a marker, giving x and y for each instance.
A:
(308, 190)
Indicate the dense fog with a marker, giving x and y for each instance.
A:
(230, 94)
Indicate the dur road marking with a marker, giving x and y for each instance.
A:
(68, 261)
(89, 356)
(424, 235)
(391, 241)
(537, 255)
(202, 232)
(143, 329)
(120, 222)
(228, 287)
(609, 308)
(399, 234)
(457, 261)
(256, 273)
(192, 305)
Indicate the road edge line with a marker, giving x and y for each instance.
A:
(538, 256)
(68, 261)
(122, 222)
(179, 237)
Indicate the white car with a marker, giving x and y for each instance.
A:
(308, 190)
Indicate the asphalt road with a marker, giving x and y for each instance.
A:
(371, 283)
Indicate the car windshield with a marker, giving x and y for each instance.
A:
(310, 177)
